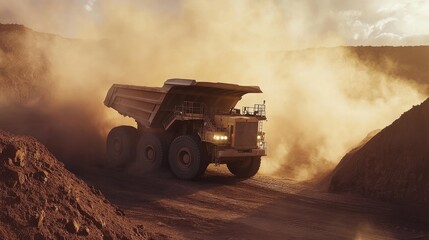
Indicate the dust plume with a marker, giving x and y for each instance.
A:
(320, 102)
(329, 102)
(34, 101)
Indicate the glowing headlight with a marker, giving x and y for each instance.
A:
(220, 137)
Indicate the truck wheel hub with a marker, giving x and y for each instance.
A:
(150, 153)
(184, 157)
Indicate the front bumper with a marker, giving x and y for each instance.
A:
(233, 153)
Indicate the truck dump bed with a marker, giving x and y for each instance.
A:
(150, 106)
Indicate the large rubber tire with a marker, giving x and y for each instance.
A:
(245, 168)
(151, 152)
(121, 146)
(187, 157)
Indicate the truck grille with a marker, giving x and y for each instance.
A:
(246, 135)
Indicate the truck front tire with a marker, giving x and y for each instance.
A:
(245, 168)
(121, 146)
(187, 157)
(151, 152)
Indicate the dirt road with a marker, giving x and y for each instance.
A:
(220, 206)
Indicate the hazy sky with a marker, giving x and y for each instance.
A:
(355, 22)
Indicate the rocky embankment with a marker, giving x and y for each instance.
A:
(40, 199)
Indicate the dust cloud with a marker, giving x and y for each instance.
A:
(320, 102)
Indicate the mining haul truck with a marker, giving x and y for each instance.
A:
(187, 125)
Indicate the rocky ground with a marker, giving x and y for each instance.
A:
(220, 206)
(40, 199)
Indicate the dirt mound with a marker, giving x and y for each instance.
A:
(40, 199)
(393, 165)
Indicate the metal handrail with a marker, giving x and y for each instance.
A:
(256, 110)
(190, 109)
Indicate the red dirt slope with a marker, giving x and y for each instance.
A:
(40, 199)
(393, 165)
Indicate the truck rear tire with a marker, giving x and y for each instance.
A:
(151, 152)
(245, 168)
(121, 146)
(187, 157)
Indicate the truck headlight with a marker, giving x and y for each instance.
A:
(220, 137)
